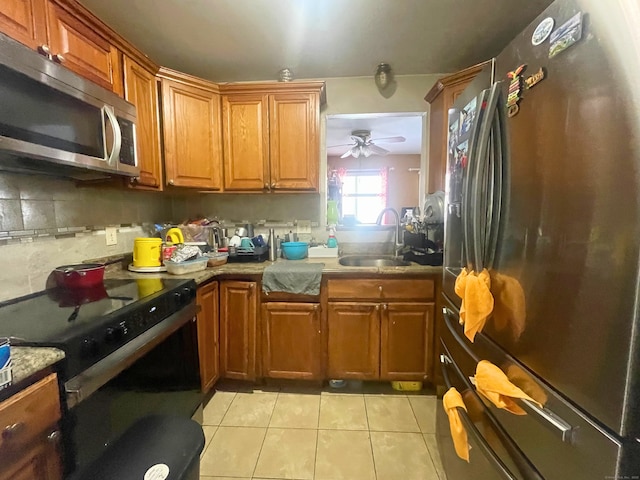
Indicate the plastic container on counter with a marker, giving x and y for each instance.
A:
(180, 268)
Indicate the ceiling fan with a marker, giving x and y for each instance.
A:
(364, 145)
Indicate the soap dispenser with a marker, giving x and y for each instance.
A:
(332, 241)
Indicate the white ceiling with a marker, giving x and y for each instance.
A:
(243, 40)
(246, 40)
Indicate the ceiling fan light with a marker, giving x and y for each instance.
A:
(367, 151)
(355, 152)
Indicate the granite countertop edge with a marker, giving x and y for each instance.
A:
(331, 266)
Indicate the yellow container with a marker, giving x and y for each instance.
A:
(149, 286)
(147, 252)
(407, 386)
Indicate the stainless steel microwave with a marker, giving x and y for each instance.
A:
(55, 122)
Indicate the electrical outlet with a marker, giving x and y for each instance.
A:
(111, 235)
(303, 226)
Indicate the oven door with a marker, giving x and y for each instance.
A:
(155, 373)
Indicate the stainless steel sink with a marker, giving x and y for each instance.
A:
(372, 261)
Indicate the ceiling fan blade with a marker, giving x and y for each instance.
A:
(398, 139)
(342, 145)
(346, 154)
(377, 150)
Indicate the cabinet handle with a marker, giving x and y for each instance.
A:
(134, 180)
(171, 182)
(45, 50)
(377, 307)
(59, 58)
(273, 185)
(384, 307)
(380, 288)
(54, 437)
(316, 306)
(11, 430)
(251, 286)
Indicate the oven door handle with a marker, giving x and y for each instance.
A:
(90, 380)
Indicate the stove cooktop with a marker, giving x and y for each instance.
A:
(88, 324)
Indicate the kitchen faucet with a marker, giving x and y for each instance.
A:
(398, 244)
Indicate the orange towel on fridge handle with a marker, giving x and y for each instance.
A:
(492, 383)
(450, 401)
(477, 301)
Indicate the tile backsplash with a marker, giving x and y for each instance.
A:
(46, 222)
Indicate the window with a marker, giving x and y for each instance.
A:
(364, 194)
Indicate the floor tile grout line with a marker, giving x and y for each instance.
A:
(265, 435)
(315, 456)
(226, 410)
(431, 455)
(373, 458)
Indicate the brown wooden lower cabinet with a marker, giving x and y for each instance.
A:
(353, 340)
(238, 329)
(30, 450)
(208, 330)
(379, 341)
(405, 343)
(291, 340)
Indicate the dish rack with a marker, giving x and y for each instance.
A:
(256, 254)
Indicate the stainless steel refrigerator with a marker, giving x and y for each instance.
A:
(543, 190)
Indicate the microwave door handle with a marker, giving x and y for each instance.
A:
(117, 135)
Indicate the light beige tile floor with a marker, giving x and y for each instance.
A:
(320, 435)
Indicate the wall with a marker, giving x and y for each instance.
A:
(47, 222)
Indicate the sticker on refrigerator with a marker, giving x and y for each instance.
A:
(467, 115)
(515, 90)
(542, 31)
(566, 35)
(536, 78)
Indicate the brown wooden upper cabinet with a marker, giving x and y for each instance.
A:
(441, 97)
(54, 29)
(191, 131)
(271, 136)
(141, 89)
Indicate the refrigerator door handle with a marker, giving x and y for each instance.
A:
(551, 420)
(565, 431)
(478, 195)
(496, 189)
(523, 464)
(489, 453)
(469, 206)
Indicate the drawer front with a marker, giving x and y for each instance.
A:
(381, 289)
(28, 413)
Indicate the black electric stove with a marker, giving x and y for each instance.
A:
(89, 324)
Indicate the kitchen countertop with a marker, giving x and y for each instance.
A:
(331, 266)
(27, 361)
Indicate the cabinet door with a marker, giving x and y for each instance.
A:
(246, 142)
(291, 340)
(41, 462)
(24, 21)
(141, 90)
(238, 329)
(353, 340)
(191, 130)
(208, 345)
(406, 340)
(294, 151)
(83, 51)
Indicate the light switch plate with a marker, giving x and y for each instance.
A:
(111, 235)
(303, 226)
